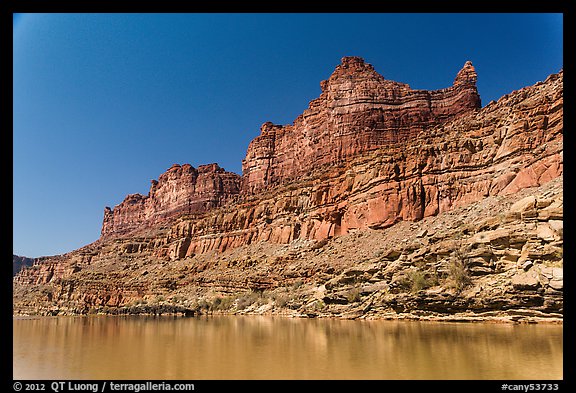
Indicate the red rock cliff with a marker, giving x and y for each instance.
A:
(505, 147)
(357, 111)
(180, 190)
(513, 254)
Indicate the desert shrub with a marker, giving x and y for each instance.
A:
(47, 291)
(203, 304)
(319, 244)
(353, 295)
(169, 283)
(92, 311)
(280, 299)
(176, 299)
(297, 284)
(221, 303)
(458, 275)
(247, 300)
(417, 280)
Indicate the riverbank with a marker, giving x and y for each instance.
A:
(512, 317)
(462, 265)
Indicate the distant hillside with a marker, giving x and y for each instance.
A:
(19, 262)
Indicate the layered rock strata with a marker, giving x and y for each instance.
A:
(181, 190)
(277, 237)
(509, 145)
(358, 110)
(498, 259)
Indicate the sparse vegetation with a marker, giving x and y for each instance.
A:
(280, 300)
(381, 268)
(458, 276)
(47, 291)
(221, 303)
(247, 300)
(203, 304)
(419, 279)
(319, 244)
(176, 299)
(353, 295)
(297, 284)
(319, 305)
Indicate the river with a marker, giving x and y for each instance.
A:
(258, 347)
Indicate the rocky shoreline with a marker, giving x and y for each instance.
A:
(512, 273)
(525, 316)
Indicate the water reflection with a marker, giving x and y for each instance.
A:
(280, 348)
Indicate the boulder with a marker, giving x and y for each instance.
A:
(523, 205)
(526, 280)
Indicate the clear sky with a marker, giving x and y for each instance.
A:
(104, 103)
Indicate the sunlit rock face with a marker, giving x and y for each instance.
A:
(372, 183)
(358, 111)
(181, 190)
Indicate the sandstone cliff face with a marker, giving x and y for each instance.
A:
(496, 259)
(392, 209)
(507, 146)
(357, 111)
(181, 190)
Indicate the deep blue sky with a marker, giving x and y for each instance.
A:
(103, 103)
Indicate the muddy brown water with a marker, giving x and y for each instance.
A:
(258, 347)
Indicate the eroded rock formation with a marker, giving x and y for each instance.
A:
(358, 111)
(181, 190)
(370, 156)
(507, 146)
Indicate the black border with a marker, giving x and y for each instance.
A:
(167, 6)
(8, 7)
(318, 385)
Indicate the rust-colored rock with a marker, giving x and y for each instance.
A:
(358, 111)
(507, 146)
(181, 190)
(510, 145)
(367, 155)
